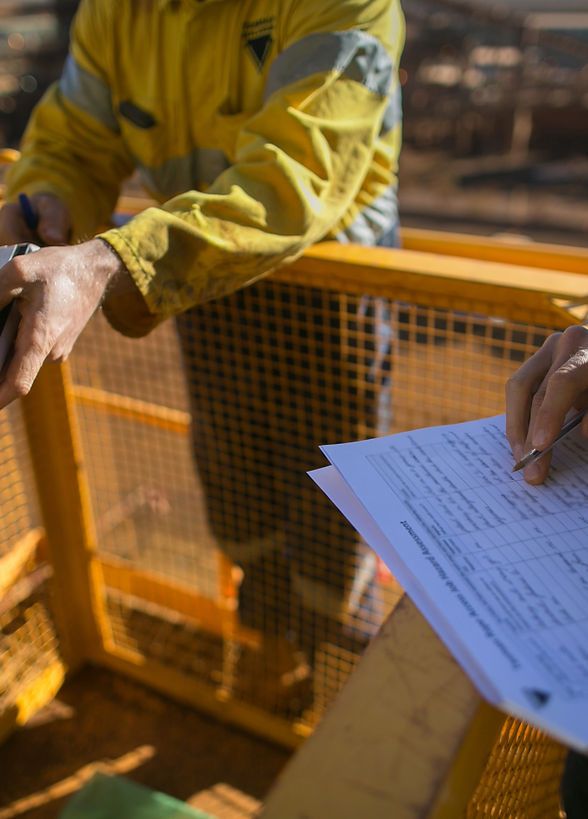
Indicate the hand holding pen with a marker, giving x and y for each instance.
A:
(41, 218)
(540, 395)
(534, 454)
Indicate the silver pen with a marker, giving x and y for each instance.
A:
(535, 454)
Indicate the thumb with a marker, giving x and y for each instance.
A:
(54, 220)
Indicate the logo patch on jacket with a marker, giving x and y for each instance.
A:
(258, 39)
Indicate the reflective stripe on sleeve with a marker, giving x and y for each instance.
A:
(393, 112)
(375, 221)
(353, 54)
(183, 173)
(88, 92)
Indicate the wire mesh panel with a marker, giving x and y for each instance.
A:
(522, 777)
(158, 558)
(220, 559)
(30, 661)
(134, 415)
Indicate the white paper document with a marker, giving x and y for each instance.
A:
(498, 567)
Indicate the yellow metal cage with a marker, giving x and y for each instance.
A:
(119, 556)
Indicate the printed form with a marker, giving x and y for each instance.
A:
(498, 567)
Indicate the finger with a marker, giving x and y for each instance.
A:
(566, 388)
(563, 387)
(520, 390)
(537, 472)
(31, 348)
(13, 228)
(54, 220)
(62, 349)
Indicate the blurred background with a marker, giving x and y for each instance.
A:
(495, 106)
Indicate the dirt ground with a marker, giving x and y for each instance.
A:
(100, 717)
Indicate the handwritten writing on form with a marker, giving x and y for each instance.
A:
(500, 568)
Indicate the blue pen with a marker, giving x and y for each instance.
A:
(30, 215)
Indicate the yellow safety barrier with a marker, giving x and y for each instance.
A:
(133, 513)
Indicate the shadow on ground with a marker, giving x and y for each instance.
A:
(100, 716)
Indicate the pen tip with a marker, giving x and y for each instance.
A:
(516, 467)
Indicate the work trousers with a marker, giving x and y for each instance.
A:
(575, 786)
(274, 371)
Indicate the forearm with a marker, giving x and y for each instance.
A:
(123, 305)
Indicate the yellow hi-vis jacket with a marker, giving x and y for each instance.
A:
(261, 126)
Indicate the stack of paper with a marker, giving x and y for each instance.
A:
(498, 567)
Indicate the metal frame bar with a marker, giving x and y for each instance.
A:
(215, 616)
(56, 453)
(487, 249)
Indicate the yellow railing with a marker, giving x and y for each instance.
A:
(506, 250)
